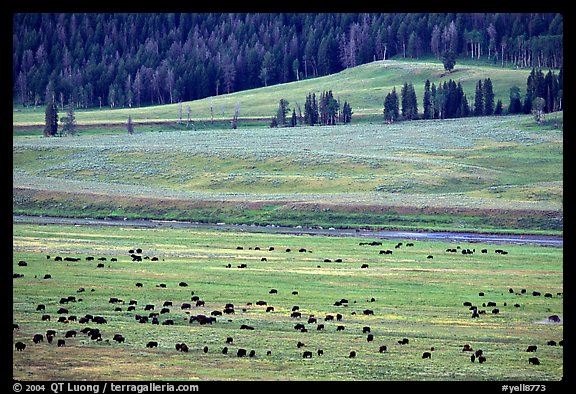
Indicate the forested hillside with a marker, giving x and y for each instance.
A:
(131, 60)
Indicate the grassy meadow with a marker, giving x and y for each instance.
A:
(415, 297)
(364, 87)
(495, 173)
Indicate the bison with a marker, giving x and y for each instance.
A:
(20, 346)
(534, 361)
(427, 355)
(152, 344)
(307, 354)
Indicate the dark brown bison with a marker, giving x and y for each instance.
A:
(20, 346)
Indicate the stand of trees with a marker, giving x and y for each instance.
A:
(449, 101)
(136, 59)
(327, 111)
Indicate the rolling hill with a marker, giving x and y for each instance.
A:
(364, 87)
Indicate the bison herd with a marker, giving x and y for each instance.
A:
(330, 322)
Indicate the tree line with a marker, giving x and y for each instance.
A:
(544, 94)
(325, 111)
(137, 59)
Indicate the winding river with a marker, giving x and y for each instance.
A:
(471, 237)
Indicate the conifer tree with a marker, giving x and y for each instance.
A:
(69, 127)
(427, 101)
(479, 99)
(51, 119)
(488, 97)
(391, 107)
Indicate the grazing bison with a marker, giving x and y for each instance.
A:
(307, 354)
(534, 361)
(352, 354)
(229, 340)
(41, 307)
(70, 334)
(61, 342)
(38, 338)
(20, 346)
(404, 341)
(241, 353)
(252, 353)
(481, 359)
(368, 312)
(364, 266)
(205, 349)
(427, 355)
(246, 327)
(383, 348)
(119, 338)
(554, 319)
(370, 338)
(152, 344)
(340, 328)
(225, 350)
(532, 348)
(320, 352)
(365, 329)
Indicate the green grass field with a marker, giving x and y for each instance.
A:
(364, 87)
(496, 173)
(414, 297)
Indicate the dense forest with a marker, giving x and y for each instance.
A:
(136, 59)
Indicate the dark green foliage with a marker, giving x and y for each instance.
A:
(488, 97)
(515, 106)
(311, 110)
(346, 115)
(409, 102)
(51, 120)
(391, 107)
(135, 59)
(479, 99)
(69, 127)
(427, 101)
(449, 60)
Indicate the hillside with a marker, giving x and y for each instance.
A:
(493, 173)
(364, 87)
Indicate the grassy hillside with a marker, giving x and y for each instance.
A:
(364, 87)
(473, 173)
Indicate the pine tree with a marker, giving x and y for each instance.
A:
(488, 97)
(69, 127)
(391, 107)
(479, 100)
(51, 119)
(427, 101)
(515, 106)
(409, 102)
(346, 113)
